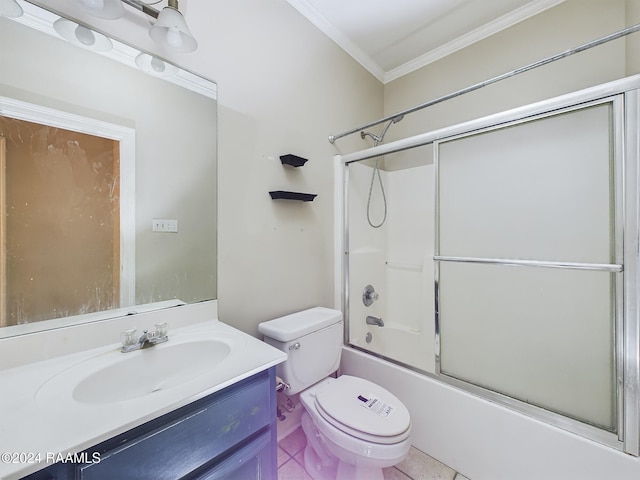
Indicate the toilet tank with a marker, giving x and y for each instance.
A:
(312, 340)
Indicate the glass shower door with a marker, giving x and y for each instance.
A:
(528, 261)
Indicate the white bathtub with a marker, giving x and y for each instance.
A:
(485, 441)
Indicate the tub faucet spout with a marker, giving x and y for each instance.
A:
(374, 321)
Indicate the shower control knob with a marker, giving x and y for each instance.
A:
(369, 295)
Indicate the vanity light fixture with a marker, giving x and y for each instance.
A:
(171, 30)
(154, 66)
(10, 8)
(82, 36)
(168, 29)
(109, 9)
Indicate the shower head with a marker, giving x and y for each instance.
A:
(376, 138)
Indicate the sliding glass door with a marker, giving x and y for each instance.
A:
(529, 261)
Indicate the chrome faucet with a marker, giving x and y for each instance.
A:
(374, 321)
(147, 339)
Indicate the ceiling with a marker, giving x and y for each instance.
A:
(393, 38)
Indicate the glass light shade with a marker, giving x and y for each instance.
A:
(10, 8)
(154, 66)
(82, 36)
(109, 9)
(171, 31)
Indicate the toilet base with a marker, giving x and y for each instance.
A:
(315, 468)
(320, 464)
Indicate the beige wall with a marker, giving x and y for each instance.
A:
(561, 28)
(633, 41)
(283, 87)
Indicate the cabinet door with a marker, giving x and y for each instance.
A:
(254, 461)
(58, 471)
(174, 450)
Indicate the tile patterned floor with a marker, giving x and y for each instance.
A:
(417, 466)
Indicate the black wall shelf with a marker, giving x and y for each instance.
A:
(293, 160)
(286, 195)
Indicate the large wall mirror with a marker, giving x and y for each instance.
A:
(107, 181)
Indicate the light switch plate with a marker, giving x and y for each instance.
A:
(165, 225)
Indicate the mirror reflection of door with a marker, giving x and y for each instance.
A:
(61, 204)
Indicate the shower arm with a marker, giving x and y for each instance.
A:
(477, 86)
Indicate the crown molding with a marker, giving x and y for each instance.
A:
(311, 14)
(501, 23)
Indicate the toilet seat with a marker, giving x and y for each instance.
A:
(363, 409)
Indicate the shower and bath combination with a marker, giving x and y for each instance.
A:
(414, 316)
(377, 140)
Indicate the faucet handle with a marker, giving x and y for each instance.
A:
(162, 329)
(369, 295)
(128, 337)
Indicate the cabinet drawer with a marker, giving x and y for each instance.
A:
(173, 450)
(255, 461)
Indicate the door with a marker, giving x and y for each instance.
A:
(529, 261)
(61, 198)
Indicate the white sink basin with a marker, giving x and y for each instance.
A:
(119, 377)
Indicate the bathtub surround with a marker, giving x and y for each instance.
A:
(396, 259)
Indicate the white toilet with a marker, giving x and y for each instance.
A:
(354, 428)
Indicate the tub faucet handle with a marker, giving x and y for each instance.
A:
(369, 295)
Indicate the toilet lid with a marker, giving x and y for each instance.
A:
(362, 406)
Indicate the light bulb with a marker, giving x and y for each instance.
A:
(10, 9)
(174, 37)
(85, 36)
(157, 65)
(171, 31)
(81, 35)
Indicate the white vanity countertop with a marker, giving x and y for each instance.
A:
(38, 422)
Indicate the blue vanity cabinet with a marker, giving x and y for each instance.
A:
(230, 434)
